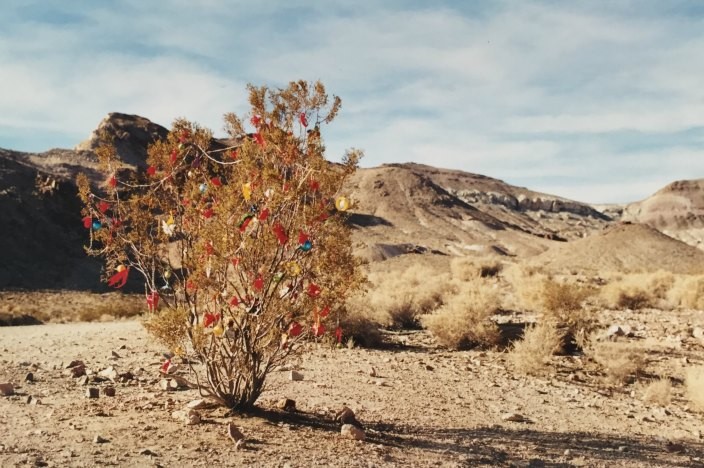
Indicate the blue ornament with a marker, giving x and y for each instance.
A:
(306, 246)
(97, 225)
(202, 188)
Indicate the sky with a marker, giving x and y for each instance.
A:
(599, 101)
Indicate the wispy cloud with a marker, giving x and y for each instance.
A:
(597, 101)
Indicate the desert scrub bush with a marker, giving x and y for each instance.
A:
(563, 305)
(398, 299)
(622, 362)
(465, 320)
(637, 291)
(694, 386)
(687, 292)
(658, 392)
(242, 244)
(526, 283)
(532, 354)
(468, 268)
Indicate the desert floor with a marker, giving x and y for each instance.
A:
(420, 406)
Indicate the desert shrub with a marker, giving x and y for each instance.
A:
(637, 291)
(363, 331)
(621, 362)
(532, 353)
(398, 299)
(464, 321)
(563, 304)
(244, 248)
(694, 386)
(688, 292)
(658, 392)
(467, 268)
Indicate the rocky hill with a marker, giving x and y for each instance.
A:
(676, 210)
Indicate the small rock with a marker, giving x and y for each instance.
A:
(622, 448)
(372, 372)
(109, 373)
(115, 355)
(92, 392)
(78, 371)
(197, 404)
(125, 376)
(429, 367)
(567, 453)
(28, 400)
(286, 404)
(698, 332)
(236, 436)
(515, 417)
(674, 447)
(7, 389)
(98, 439)
(29, 377)
(168, 385)
(296, 376)
(75, 363)
(148, 453)
(189, 417)
(346, 416)
(350, 431)
(109, 391)
(83, 380)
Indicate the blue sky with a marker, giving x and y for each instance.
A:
(595, 101)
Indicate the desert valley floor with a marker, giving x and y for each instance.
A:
(419, 405)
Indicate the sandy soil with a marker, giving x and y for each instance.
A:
(422, 407)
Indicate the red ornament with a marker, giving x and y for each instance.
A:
(165, 366)
(235, 301)
(314, 185)
(216, 181)
(116, 223)
(209, 250)
(258, 283)
(119, 279)
(174, 156)
(280, 233)
(264, 214)
(303, 119)
(245, 223)
(112, 182)
(295, 329)
(152, 301)
(318, 329)
(151, 170)
(313, 290)
(338, 334)
(235, 261)
(210, 319)
(207, 213)
(302, 237)
(103, 206)
(256, 120)
(87, 222)
(325, 312)
(259, 138)
(184, 136)
(233, 154)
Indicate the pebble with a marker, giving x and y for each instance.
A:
(515, 417)
(109, 391)
(29, 377)
(98, 439)
(350, 431)
(7, 389)
(197, 404)
(296, 376)
(168, 385)
(92, 392)
(286, 404)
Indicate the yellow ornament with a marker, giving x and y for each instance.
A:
(293, 269)
(170, 221)
(121, 268)
(167, 273)
(342, 203)
(218, 330)
(247, 191)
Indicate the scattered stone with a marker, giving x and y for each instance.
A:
(29, 399)
(197, 404)
(698, 332)
(515, 417)
(7, 389)
(98, 439)
(109, 373)
(148, 453)
(429, 367)
(190, 417)
(296, 376)
(78, 371)
(615, 331)
(109, 391)
(286, 404)
(350, 431)
(115, 355)
(622, 448)
(92, 392)
(125, 376)
(83, 380)
(75, 363)
(372, 372)
(567, 452)
(168, 385)
(29, 377)
(346, 416)
(236, 436)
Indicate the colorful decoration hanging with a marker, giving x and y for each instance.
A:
(87, 222)
(119, 279)
(258, 283)
(338, 334)
(97, 225)
(210, 319)
(235, 301)
(202, 188)
(280, 233)
(264, 214)
(306, 246)
(208, 213)
(303, 119)
(342, 203)
(153, 301)
(313, 290)
(295, 329)
(216, 181)
(325, 312)
(259, 138)
(151, 171)
(293, 269)
(247, 191)
(112, 182)
(318, 329)
(218, 331)
(103, 206)
(244, 222)
(174, 156)
(314, 185)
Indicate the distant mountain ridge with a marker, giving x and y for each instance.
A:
(398, 209)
